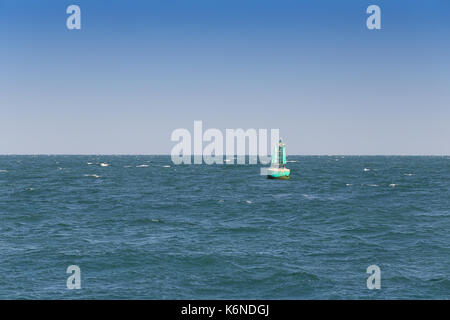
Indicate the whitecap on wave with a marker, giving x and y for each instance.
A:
(366, 169)
(103, 164)
(3, 170)
(142, 166)
(92, 175)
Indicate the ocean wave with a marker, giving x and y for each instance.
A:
(92, 175)
(103, 164)
(142, 166)
(281, 195)
(145, 220)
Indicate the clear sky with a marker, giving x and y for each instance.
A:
(137, 70)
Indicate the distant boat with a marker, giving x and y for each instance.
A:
(278, 168)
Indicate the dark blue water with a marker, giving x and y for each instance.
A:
(140, 229)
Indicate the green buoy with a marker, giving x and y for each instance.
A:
(278, 168)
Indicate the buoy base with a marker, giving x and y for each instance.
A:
(278, 173)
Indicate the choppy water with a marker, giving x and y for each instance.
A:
(140, 229)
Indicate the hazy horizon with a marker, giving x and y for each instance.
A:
(168, 155)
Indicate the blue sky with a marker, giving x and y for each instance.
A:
(137, 70)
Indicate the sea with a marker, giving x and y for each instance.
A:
(141, 227)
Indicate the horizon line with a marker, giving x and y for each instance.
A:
(160, 154)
